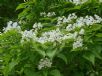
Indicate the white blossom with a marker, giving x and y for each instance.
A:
(78, 2)
(79, 22)
(89, 20)
(98, 19)
(69, 27)
(82, 31)
(37, 26)
(52, 36)
(28, 35)
(44, 63)
(42, 40)
(78, 43)
(64, 19)
(49, 14)
(75, 34)
(68, 36)
(11, 25)
(43, 14)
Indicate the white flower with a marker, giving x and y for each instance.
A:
(81, 32)
(26, 0)
(28, 35)
(44, 63)
(42, 40)
(79, 22)
(43, 14)
(49, 14)
(98, 19)
(69, 27)
(37, 26)
(75, 35)
(78, 2)
(68, 36)
(15, 24)
(60, 19)
(89, 20)
(51, 36)
(78, 43)
(72, 16)
(11, 25)
(65, 20)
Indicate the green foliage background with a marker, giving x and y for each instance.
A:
(7, 11)
(20, 60)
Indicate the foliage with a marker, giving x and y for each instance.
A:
(33, 8)
(53, 38)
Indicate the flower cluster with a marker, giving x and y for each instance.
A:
(78, 42)
(11, 25)
(84, 21)
(37, 26)
(28, 35)
(49, 14)
(78, 2)
(64, 19)
(72, 27)
(58, 35)
(51, 36)
(44, 63)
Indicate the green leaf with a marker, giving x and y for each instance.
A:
(99, 35)
(51, 53)
(29, 72)
(55, 73)
(9, 67)
(63, 57)
(96, 27)
(97, 51)
(90, 57)
(21, 6)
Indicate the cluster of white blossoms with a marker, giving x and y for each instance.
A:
(69, 24)
(51, 36)
(28, 35)
(12, 25)
(64, 19)
(49, 14)
(31, 34)
(78, 2)
(78, 42)
(37, 26)
(58, 35)
(44, 63)
(84, 21)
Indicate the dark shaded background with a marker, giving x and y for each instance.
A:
(7, 11)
